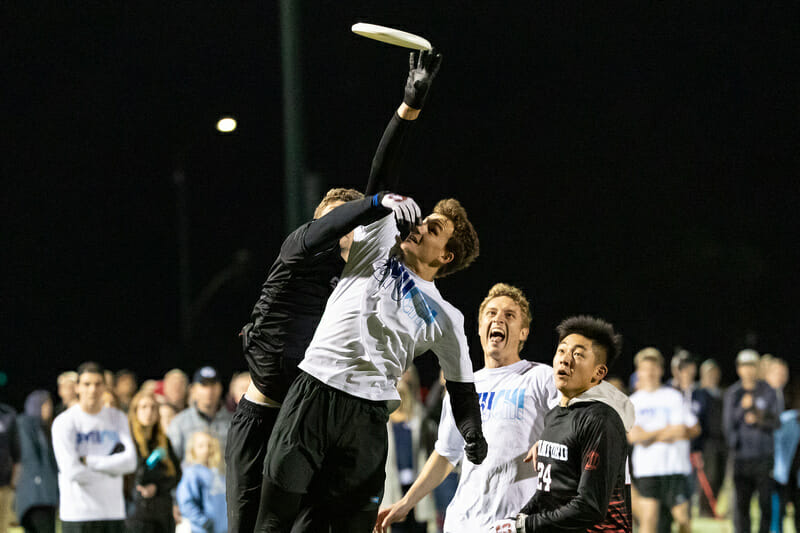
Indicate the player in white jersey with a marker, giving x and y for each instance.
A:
(661, 466)
(93, 449)
(330, 441)
(514, 396)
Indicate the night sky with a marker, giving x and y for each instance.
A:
(636, 161)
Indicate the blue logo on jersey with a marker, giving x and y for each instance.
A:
(96, 437)
(391, 273)
(507, 404)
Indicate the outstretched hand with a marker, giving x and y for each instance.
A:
(421, 72)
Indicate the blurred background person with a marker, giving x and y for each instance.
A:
(94, 450)
(37, 488)
(407, 455)
(157, 472)
(205, 414)
(67, 381)
(166, 412)
(777, 376)
(9, 462)
(750, 416)
(176, 389)
(660, 437)
(442, 494)
(125, 385)
(787, 461)
(714, 448)
(201, 491)
(110, 400)
(239, 383)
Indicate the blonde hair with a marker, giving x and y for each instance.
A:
(338, 194)
(516, 294)
(70, 376)
(463, 244)
(214, 454)
(157, 436)
(648, 354)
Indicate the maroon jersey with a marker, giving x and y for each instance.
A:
(581, 472)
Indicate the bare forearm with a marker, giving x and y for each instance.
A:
(433, 473)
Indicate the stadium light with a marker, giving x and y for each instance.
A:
(226, 125)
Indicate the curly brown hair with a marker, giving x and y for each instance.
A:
(338, 194)
(463, 244)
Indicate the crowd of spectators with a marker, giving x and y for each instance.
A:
(165, 457)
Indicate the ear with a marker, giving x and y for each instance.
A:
(446, 257)
(600, 372)
(523, 334)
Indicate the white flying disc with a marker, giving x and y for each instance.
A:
(392, 36)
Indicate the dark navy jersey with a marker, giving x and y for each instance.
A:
(581, 472)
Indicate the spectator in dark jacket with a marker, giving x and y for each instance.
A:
(751, 417)
(37, 490)
(9, 462)
(158, 470)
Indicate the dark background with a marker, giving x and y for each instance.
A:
(637, 162)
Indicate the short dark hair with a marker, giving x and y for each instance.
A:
(596, 329)
(90, 367)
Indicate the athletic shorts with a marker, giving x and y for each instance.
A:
(330, 445)
(670, 490)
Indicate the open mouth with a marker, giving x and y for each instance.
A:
(497, 335)
(563, 372)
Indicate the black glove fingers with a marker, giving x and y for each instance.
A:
(411, 61)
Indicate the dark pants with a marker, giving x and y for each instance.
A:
(39, 520)
(749, 476)
(95, 526)
(715, 457)
(248, 435)
(328, 447)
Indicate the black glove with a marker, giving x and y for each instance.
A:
(475, 448)
(420, 77)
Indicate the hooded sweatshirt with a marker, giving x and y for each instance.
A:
(581, 465)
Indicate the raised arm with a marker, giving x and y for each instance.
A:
(383, 175)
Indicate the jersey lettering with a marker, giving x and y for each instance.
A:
(506, 404)
(592, 459)
(96, 437)
(391, 273)
(553, 450)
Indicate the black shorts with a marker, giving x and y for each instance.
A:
(249, 432)
(670, 490)
(329, 445)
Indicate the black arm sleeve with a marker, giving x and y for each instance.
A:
(466, 410)
(602, 462)
(383, 174)
(326, 231)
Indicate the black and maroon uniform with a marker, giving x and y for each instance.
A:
(581, 472)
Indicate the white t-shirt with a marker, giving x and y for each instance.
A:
(655, 410)
(513, 400)
(92, 491)
(380, 316)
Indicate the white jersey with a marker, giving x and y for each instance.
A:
(513, 400)
(92, 491)
(655, 410)
(380, 316)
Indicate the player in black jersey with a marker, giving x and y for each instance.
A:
(582, 453)
(293, 298)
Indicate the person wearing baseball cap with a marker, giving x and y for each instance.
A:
(205, 414)
(750, 416)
